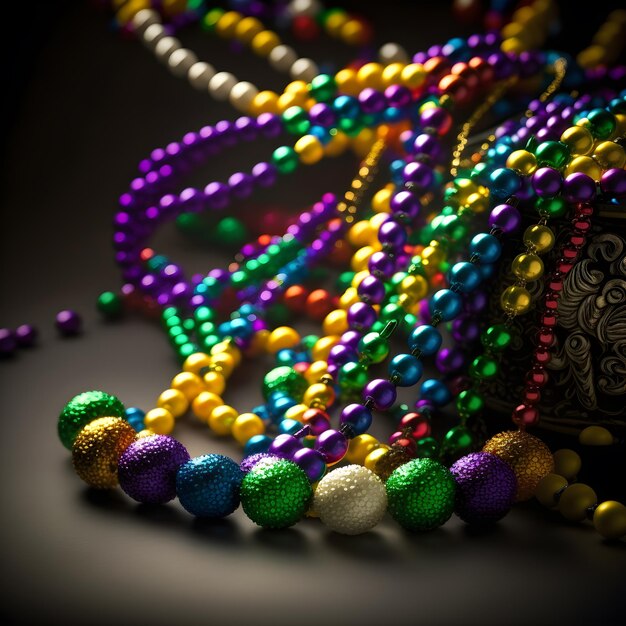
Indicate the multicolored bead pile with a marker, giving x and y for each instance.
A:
(414, 261)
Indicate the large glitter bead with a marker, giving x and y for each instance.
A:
(97, 449)
(84, 408)
(420, 494)
(527, 456)
(208, 486)
(284, 379)
(485, 488)
(350, 500)
(275, 494)
(147, 469)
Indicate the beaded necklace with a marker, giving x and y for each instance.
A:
(276, 492)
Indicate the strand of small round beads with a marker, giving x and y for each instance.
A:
(577, 501)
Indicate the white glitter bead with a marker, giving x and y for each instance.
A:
(350, 500)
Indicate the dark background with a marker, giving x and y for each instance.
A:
(82, 108)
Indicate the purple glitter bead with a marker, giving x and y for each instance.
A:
(486, 488)
(250, 461)
(147, 468)
(26, 335)
(8, 342)
(68, 322)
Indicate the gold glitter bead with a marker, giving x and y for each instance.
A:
(609, 519)
(385, 464)
(97, 449)
(527, 456)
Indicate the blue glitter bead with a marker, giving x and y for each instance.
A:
(208, 486)
(435, 391)
(447, 303)
(407, 367)
(256, 444)
(426, 339)
(486, 247)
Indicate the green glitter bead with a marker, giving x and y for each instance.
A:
(285, 379)
(483, 367)
(551, 207)
(285, 159)
(85, 408)
(275, 494)
(601, 123)
(323, 87)
(109, 304)
(496, 338)
(552, 153)
(231, 231)
(420, 494)
(296, 120)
